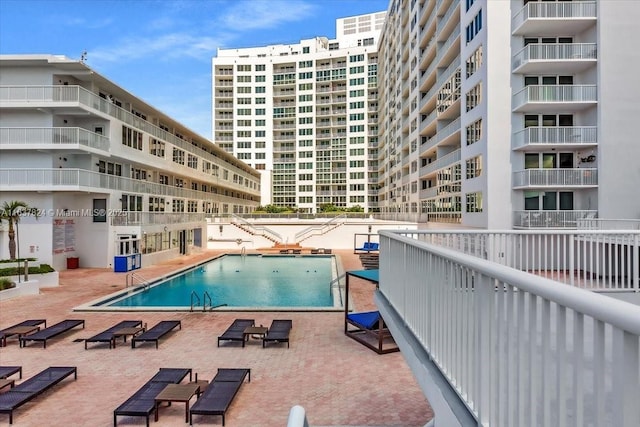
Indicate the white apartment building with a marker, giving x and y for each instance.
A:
(501, 114)
(305, 115)
(117, 182)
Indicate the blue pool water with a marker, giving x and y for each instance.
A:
(245, 281)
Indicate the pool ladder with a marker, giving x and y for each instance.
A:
(205, 302)
(132, 277)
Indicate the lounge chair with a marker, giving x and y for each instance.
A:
(52, 331)
(29, 389)
(108, 335)
(235, 332)
(7, 371)
(156, 332)
(217, 397)
(370, 331)
(31, 322)
(278, 332)
(142, 403)
(369, 247)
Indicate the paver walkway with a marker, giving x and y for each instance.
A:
(338, 381)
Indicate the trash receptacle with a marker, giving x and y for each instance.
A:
(73, 263)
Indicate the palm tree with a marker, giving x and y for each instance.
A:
(11, 212)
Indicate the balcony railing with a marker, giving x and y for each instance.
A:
(441, 162)
(83, 180)
(45, 95)
(544, 94)
(546, 52)
(125, 218)
(535, 178)
(516, 348)
(551, 219)
(560, 12)
(556, 135)
(53, 137)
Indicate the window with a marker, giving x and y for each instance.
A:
(261, 79)
(260, 67)
(131, 203)
(156, 204)
(156, 147)
(474, 96)
(244, 89)
(305, 49)
(260, 123)
(357, 116)
(549, 200)
(260, 111)
(305, 120)
(306, 109)
(359, 104)
(243, 79)
(177, 205)
(260, 89)
(131, 138)
(163, 179)
(243, 134)
(474, 132)
(243, 144)
(244, 101)
(356, 128)
(305, 98)
(303, 132)
(356, 58)
(474, 62)
(305, 64)
(474, 167)
(192, 161)
(305, 86)
(260, 134)
(99, 210)
(305, 75)
(356, 70)
(244, 111)
(244, 156)
(356, 93)
(244, 68)
(474, 26)
(178, 156)
(474, 202)
(356, 82)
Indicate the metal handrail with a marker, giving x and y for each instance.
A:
(144, 282)
(259, 230)
(195, 296)
(206, 297)
(323, 228)
(334, 281)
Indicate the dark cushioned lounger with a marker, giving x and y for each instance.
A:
(235, 332)
(108, 334)
(7, 371)
(142, 403)
(29, 389)
(156, 332)
(52, 331)
(31, 322)
(217, 397)
(278, 331)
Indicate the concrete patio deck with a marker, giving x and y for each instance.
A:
(337, 380)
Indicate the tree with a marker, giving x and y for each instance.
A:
(12, 212)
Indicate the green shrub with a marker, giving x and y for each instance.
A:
(6, 284)
(13, 271)
(3, 261)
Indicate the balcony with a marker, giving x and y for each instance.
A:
(495, 324)
(155, 218)
(553, 18)
(548, 98)
(52, 138)
(550, 219)
(565, 137)
(94, 182)
(442, 162)
(554, 58)
(555, 178)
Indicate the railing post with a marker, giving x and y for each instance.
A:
(484, 345)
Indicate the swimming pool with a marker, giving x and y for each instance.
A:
(240, 282)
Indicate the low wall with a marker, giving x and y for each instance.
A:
(31, 287)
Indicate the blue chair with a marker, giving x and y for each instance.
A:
(369, 247)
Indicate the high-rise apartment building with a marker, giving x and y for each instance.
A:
(305, 115)
(114, 180)
(498, 114)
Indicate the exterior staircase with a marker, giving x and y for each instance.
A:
(370, 261)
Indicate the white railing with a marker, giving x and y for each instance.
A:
(584, 135)
(444, 161)
(80, 179)
(71, 94)
(555, 93)
(519, 350)
(125, 218)
(55, 136)
(596, 260)
(555, 10)
(555, 177)
(555, 52)
(257, 229)
(551, 219)
(323, 228)
(593, 223)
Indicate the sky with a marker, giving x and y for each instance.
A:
(161, 50)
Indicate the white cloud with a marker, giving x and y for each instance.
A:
(263, 14)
